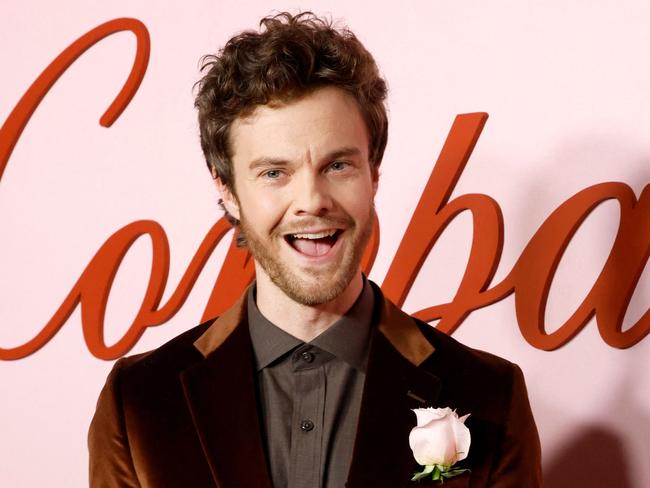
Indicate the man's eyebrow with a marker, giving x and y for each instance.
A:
(266, 162)
(343, 152)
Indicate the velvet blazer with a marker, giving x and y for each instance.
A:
(186, 414)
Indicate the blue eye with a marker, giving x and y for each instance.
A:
(272, 174)
(339, 165)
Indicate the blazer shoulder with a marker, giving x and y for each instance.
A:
(476, 361)
(140, 403)
(174, 355)
(477, 381)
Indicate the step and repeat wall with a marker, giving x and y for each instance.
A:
(535, 248)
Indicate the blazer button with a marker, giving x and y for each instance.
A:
(306, 425)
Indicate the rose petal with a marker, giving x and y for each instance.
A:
(426, 415)
(463, 439)
(434, 443)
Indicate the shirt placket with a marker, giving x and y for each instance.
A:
(307, 419)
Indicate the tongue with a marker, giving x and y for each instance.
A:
(313, 247)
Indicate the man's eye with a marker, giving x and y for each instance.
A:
(339, 165)
(272, 174)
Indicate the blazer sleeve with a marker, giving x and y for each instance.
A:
(111, 464)
(518, 462)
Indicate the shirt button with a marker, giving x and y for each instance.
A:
(306, 425)
(307, 357)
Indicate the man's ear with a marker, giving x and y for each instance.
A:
(228, 197)
(374, 173)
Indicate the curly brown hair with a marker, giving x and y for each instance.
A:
(289, 57)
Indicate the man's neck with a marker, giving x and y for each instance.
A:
(303, 321)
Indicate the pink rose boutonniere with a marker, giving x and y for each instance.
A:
(439, 441)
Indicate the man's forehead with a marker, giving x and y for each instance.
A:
(322, 99)
(322, 122)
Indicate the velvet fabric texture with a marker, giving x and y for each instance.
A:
(186, 413)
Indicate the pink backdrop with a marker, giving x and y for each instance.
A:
(566, 85)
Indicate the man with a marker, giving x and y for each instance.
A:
(310, 379)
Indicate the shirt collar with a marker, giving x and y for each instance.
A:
(346, 339)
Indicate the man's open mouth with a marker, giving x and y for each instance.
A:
(314, 244)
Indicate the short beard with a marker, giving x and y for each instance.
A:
(291, 284)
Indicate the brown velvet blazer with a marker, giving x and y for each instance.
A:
(185, 414)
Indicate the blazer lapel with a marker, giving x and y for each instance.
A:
(394, 385)
(220, 392)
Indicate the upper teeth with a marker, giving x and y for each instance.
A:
(318, 235)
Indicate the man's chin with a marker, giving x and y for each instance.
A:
(312, 287)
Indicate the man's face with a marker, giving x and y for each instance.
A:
(304, 192)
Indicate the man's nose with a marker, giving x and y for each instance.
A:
(311, 195)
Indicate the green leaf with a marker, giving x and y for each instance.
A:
(438, 473)
(454, 472)
(423, 474)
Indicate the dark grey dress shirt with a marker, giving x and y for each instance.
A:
(310, 394)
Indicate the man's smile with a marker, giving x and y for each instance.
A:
(315, 245)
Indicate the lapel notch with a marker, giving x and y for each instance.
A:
(220, 392)
(402, 331)
(394, 385)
